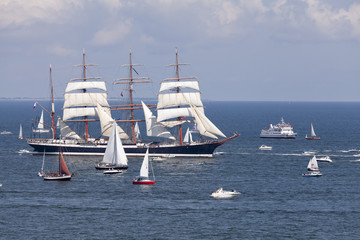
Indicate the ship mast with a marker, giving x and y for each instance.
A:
(52, 106)
(131, 81)
(84, 91)
(178, 90)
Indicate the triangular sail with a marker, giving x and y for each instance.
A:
(41, 121)
(144, 170)
(20, 132)
(63, 168)
(188, 136)
(106, 122)
(115, 153)
(137, 130)
(313, 165)
(154, 129)
(205, 126)
(312, 131)
(66, 132)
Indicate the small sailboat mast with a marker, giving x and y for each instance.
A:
(312, 130)
(20, 132)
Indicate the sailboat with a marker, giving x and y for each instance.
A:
(20, 132)
(62, 175)
(312, 134)
(114, 157)
(143, 178)
(313, 168)
(40, 127)
(42, 173)
(179, 103)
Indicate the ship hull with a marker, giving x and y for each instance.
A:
(278, 136)
(205, 149)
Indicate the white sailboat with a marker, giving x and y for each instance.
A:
(313, 165)
(42, 173)
(143, 178)
(312, 134)
(188, 137)
(313, 168)
(20, 132)
(114, 157)
(40, 127)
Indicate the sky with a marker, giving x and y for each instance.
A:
(240, 50)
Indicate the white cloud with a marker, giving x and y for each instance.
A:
(112, 34)
(59, 50)
(24, 13)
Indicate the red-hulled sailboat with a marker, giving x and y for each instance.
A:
(144, 172)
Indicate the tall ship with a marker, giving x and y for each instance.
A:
(280, 130)
(86, 108)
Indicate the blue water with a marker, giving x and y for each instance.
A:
(276, 202)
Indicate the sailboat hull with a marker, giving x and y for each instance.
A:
(205, 149)
(57, 178)
(312, 138)
(144, 182)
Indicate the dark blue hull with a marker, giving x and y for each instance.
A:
(205, 149)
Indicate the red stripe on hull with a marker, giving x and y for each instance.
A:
(144, 182)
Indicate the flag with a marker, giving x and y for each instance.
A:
(34, 105)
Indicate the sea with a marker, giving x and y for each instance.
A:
(275, 200)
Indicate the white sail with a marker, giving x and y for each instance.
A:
(137, 130)
(115, 153)
(179, 99)
(41, 121)
(169, 113)
(313, 165)
(152, 128)
(188, 136)
(171, 85)
(205, 126)
(312, 131)
(66, 132)
(144, 170)
(85, 99)
(106, 122)
(20, 132)
(72, 86)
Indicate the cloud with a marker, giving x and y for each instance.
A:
(59, 50)
(112, 34)
(23, 13)
(335, 23)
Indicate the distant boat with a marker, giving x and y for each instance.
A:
(221, 193)
(114, 157)
(264, 147)
(313, 168)
(144, 172)
(20, 132)
(280, 130)
(312, 134)
(313, 165)
(42, 173)
(308, 153)
(324, 159)
(112, 171)
(40, 127)
(62, 175)
(5, 132)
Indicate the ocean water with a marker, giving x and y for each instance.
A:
(276, 202)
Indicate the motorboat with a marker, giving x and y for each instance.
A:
(112, 171)
(308, 153)
(324, 159)
(221, 193)
(264, 147)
